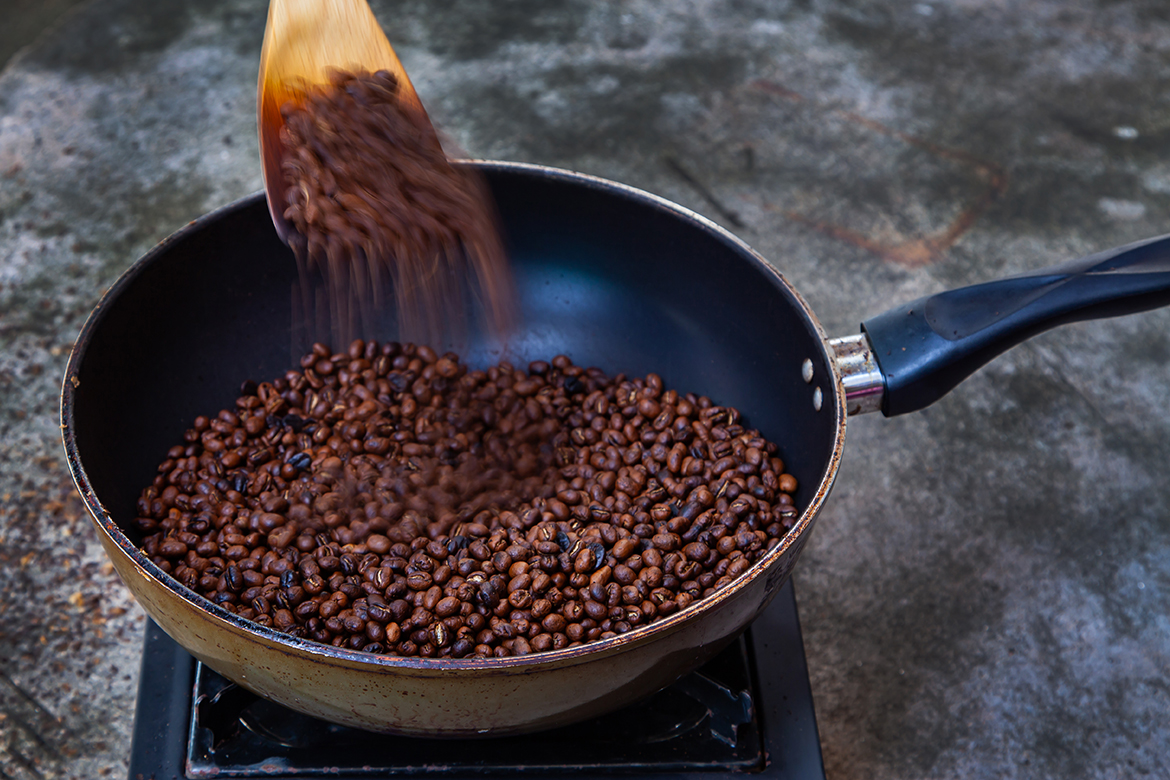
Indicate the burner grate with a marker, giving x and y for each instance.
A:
(748, 711)
(706, 720)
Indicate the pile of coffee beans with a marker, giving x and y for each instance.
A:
(388, 499)
(379, 210)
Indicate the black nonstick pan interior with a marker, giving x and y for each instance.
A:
(606, 275)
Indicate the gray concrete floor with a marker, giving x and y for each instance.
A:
(987, 593)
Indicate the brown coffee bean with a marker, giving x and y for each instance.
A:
(623, 548)
(419, 581)
(738, 567)
(283, 620)
(432, 597)
(623, 574)
(596, 610)
(520, 599)
(439, 635)
(172, 548)
(447, 606)
(553, 622)
(585, 561)
(520, 582)
(665, 542)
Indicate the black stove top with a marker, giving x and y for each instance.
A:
(748, 711)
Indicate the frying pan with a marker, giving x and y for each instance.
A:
(612, 277)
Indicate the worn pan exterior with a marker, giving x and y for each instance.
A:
(608, 275)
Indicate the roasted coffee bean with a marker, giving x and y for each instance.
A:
(611, 526)
(520, 599)
(623, 548)
(586, 560)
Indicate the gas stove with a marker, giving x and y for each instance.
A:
(747, 711)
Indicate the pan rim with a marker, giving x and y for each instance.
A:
(834, 403)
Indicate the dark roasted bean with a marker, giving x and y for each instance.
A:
(300, 460)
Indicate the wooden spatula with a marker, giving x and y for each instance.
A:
(402, 212)
(304, 41)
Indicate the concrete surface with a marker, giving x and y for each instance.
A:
(988, 592)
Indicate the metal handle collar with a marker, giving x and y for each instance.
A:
(865, 385)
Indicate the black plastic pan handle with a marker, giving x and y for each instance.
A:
(927, 347)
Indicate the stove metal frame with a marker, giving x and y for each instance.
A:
(783, 703)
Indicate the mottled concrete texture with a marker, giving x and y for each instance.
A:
(988, 592)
